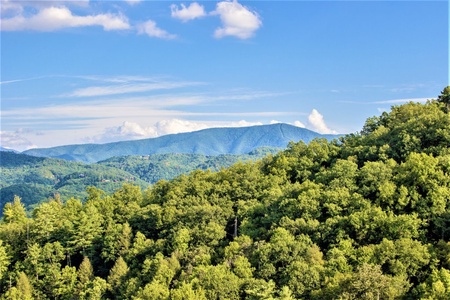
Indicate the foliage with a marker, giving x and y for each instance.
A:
(365, 217)
(36, 179)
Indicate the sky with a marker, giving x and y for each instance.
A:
(89, 71)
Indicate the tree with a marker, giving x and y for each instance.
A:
(15, 212)
(444, 97)
(369, 283)
(186, 291)
(5, 260)
(85, 272)
(117, 275)
(22, 291)
(153, 291)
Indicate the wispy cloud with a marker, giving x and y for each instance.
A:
(399, 101)
(187, 13)
(20, 80)
(392, 101)
(237, 20)
(96, 91)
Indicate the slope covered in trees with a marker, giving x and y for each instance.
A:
(36, 179)
(365, 217)
(152, 168)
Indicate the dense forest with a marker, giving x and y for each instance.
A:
(363, 217)
(35, 179)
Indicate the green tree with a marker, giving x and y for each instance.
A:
(369, 283)
(117, 275)
(14, 212)
(153, 291)
(186, 291)
(437, 286)
(444, 97)
(5, 260)
(22, 291)
(85, 273)
(212, 279)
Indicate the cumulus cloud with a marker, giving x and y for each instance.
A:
(59, 17)
(237, 20)
(133, 131)
(149, 28)
(172, 126)
(317, 123)
(299, 124)
(126, 131)
(193, 11)
(16, 140)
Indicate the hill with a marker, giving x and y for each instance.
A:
(7, 149)
(365, 217)
(154, 167)
(35, 179)
(213, 141)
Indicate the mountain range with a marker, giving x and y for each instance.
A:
(212, 141)
(36, 179)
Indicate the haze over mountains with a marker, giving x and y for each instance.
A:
(213, 141)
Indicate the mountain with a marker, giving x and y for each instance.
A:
(154, 167)
(36, 179)
(213, 141)
(7, 150)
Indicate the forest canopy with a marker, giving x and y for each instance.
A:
(363, 217)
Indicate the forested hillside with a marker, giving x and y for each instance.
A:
(365, 217)
(152, 168)
(36, 179)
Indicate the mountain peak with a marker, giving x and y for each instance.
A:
(212, 141)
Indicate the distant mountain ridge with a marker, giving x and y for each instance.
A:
(212, 141)
(7, 150)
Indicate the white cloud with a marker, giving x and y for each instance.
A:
(95, 91)
(16, 140)
(10, 7)
(299, 124)
(193, 11)
(133, 131)
(237, 20)
(317, 123)
(56, 18)
(149, 28)
(126, 131)
(164, 127)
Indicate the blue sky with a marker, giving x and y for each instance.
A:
(101, 71)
